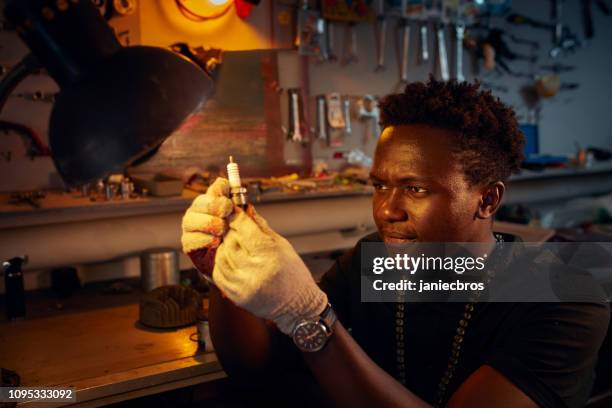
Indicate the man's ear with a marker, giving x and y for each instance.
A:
(491, 198)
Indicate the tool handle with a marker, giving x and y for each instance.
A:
(587, 18)
(460, 31)
(424, 42)
(442, 54)
(405, 49)
(382, 39)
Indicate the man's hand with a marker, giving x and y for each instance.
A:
(254, 267)
(260, 271)
(204, 224)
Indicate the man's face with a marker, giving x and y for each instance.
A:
(421, 193)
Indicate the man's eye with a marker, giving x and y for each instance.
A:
(380, 187)
(416, 190)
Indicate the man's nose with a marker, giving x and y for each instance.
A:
(393, 207)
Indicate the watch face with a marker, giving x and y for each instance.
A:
(310, 336)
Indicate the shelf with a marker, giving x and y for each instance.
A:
(63, 207)
(602, 167)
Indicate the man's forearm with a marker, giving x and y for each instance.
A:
(256, 354)
(243, 342)
(350, 378)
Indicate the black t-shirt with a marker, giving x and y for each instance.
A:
(548, 350)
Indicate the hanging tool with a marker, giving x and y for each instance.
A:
(568, 44)
(564, 41)
(295, 132)
(335, 116)
(322, 119)
(441, 11)
(442, 55)
(404, 25)
(423, 18)
(587, 18)
(349, 54)
(496, 53)
(346, 103)
(310, 38)
(587, 15)
(568, 41)
(556, 7)
(502, 50)
(459, 34)
(368, 110)
(350, 12)
(322, 27)
(381, 35)
(330, 41)
(424, 37)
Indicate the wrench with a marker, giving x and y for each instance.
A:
(381, 35)
(321, 118)
(329, 40)
(424, 31)
(405, 36)
(405, 48)
(295, 122)
(347, 116)
(442, 55)
(350, 45)
(459, 34)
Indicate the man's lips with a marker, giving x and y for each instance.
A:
(395, 238)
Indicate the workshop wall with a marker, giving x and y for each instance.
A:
(580, 115)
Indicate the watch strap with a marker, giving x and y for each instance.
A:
(329, 317)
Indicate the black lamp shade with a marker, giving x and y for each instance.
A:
(115, 104)
(122, 110)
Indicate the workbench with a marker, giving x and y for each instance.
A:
(105, 353)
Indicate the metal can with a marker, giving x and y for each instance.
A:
(204, 341)
(159, 267)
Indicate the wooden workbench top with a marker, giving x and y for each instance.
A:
(105, 353)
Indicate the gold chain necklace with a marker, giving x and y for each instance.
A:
(458, 338)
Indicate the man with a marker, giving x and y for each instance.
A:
(439, 174)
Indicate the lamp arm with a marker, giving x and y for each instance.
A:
(28, 65)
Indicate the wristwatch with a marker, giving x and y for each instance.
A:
(313, 335)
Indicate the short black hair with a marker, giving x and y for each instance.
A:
(489, 141)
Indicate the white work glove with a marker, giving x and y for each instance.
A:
(260, 271)
(254, 266)
(204, 222)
